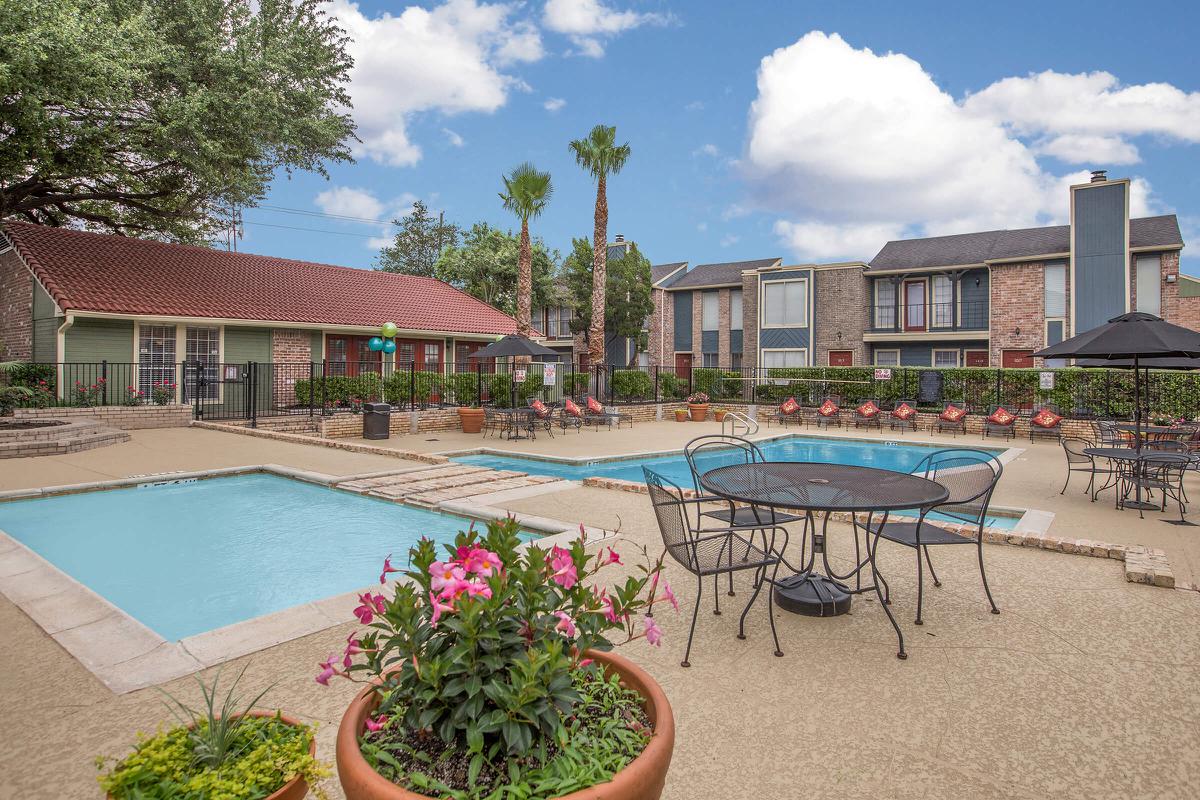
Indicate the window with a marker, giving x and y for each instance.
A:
(156, 356)
(943, 301)
(785, 358)
(945, 359)
(1149, 295)
(885, 303)
(405, 352)
(735, 359)
(710, 311)
(709, 360)
(1055, 329)
(433, 355)
(735, 310)
(785, 304)
(1056, 290)
(204, 346)
(887, 358)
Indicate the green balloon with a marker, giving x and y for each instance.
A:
(389, 330)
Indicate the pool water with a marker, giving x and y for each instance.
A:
(896, 457)
(185, 558)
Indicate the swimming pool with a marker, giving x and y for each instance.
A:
(185, 558)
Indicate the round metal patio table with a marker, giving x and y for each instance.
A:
(1131, 455)
(819, 488)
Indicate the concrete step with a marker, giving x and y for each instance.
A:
(87, 438)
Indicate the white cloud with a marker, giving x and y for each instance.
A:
(588, 22)
(707, 150)
(350, 202)
(554, 104)
(695, 105)
(1082, 148)
(730, 239)
(453, 138)
(852, 148)
(702, 226)
(447, 60)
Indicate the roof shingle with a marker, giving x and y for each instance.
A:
(723, 274)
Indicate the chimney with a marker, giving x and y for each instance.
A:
(1099, 175)
(620, 238)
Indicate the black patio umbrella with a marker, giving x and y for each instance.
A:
(1144, 363)
(513, 345)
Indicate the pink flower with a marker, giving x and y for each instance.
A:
(370, 605)
(613, 557)
(653, 632)
(444, 573)
(585, 662)
(353, 648)
(438, 608)
(478, 588)
(669, 596)
(610, 611)
(327, 670)
(566, 625)
(387, 568)
(564, 573)
(376, 724)
(481, 562)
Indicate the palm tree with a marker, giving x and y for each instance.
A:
(600, 155)
(526, 193)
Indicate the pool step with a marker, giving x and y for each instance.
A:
(500, 482)
(440, 471)
(74, 438)
(436, 484)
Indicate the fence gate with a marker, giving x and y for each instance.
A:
(220, 391)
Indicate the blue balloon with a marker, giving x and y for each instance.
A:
(389, 346)
(376, 344)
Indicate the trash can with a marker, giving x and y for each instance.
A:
(376, 420)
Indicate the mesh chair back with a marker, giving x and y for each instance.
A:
(1167, 446)
(969, 476)
(1110, 436)
(668, 502)
(718, 450)
(1074, 448)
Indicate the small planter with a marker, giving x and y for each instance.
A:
(471, 419)
(681, 415)
(699, 411)
(719, 414)
(643, 779)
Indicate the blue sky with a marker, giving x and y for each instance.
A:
(810, 131)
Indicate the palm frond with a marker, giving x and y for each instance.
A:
(527, 191)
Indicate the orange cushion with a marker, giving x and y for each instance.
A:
(594, 406)
(903, 411)
(790, 406)
(868, 409)
(1001, 416)
(953, 414)
(540, 408)
(828, 409)
(1046, 418)
(572, 409)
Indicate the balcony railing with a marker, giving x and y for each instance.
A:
(928, 317)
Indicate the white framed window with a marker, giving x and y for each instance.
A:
(1149, 291)
(156, 356)
(710, 311)
(735, 309)
(886, 358)
(735, 361)
(785, 304)
(785, 358)
(1055, 278)
(709, 360)
(884, 313)
(942, 315)
(203, 345)
(945, 359)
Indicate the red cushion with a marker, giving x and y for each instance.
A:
(1001, 416)
(828, 409)
(594, 406)
(903, 411)
(790, 406)
(540, 408)
(953, 414)
(1046, 418)
(572, 409)
(868, 409)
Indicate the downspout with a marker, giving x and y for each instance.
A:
(60, 353)
(662, 327)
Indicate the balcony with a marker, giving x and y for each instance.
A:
(930, 318)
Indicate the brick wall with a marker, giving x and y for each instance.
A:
(350, 426)
(16, 309)
(840, 303)
(662, 330)
(1183, 311)
(1017, 304)
(289, 346)
(129, 418)
(724, 352)
(749, 320)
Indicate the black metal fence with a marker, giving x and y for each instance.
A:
(250, 390)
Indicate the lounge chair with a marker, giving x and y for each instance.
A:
(788, 413)
(903, 415)
(829, 412)
(540, 416)
(596, 414)
(867, 415)
(1046, 423)
(570, 416)
(953, 418)
(1000, 422)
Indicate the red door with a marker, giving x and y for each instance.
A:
(683, 366)
(1016, 359)
(977, 358)
(350, 355)
(841, 358)
(914, 305)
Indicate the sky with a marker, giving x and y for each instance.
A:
(810, 131)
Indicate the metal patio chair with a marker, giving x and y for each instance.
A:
(832, 420)
(1037, 431)
(867, 419)
(1079, 461)
(1160, 472)
(495, 421)
(721, 450)
(909, 422)
(943, 423)
(788, 418)
(712, 553)
(970, 476)
(1005, 430)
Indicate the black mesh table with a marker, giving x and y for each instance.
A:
(816, 488)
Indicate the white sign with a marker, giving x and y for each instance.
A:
(519, 375)
(1045, 380)
(883, 374)
(549, 372)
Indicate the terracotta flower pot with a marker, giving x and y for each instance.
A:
(471, 419)
(719, 414)
(699, 411)
(643, 779)
(681, 415)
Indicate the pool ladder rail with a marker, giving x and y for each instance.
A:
(737, 421)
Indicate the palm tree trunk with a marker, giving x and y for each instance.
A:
(524, 283)
(599, 275)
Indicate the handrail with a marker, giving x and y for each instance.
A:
(734, 418)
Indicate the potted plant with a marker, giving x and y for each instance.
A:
(698, 406)
(471, 418)
(681, 415)
(719, 414)
(487, 675)
(219, 751)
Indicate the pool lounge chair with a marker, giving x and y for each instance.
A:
(903, 415)
(596, 414)
(829, 413)
(541, 417)
(953, 418)
(570, 416)
(1000, 422)
(868, 415)
(789, 412)
(1045, 423)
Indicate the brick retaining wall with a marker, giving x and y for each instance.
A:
(127, 418)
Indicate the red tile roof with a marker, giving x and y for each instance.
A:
(120, 275)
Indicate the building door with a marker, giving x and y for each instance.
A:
(976, 358)
(350, 355)
(683, 366)
(914, 305)
(1016, 359)
(841, 358)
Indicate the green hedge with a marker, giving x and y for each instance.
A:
(576, 383)
(339, 390)
(671, 386)
(628, 384)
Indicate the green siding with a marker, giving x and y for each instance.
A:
(247, 344)
(45, 326)
(318, 345)
(90, 341)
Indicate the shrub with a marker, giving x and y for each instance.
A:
(340, 390)
(630, 384)
(86, 395)
(162, 393)
(576, 383)
(670, 386)
(23, 373)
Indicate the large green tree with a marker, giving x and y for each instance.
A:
(151, 116)
(526, 194)
(419, 243)
(485, 266)
(601, 156)
(628, 300)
